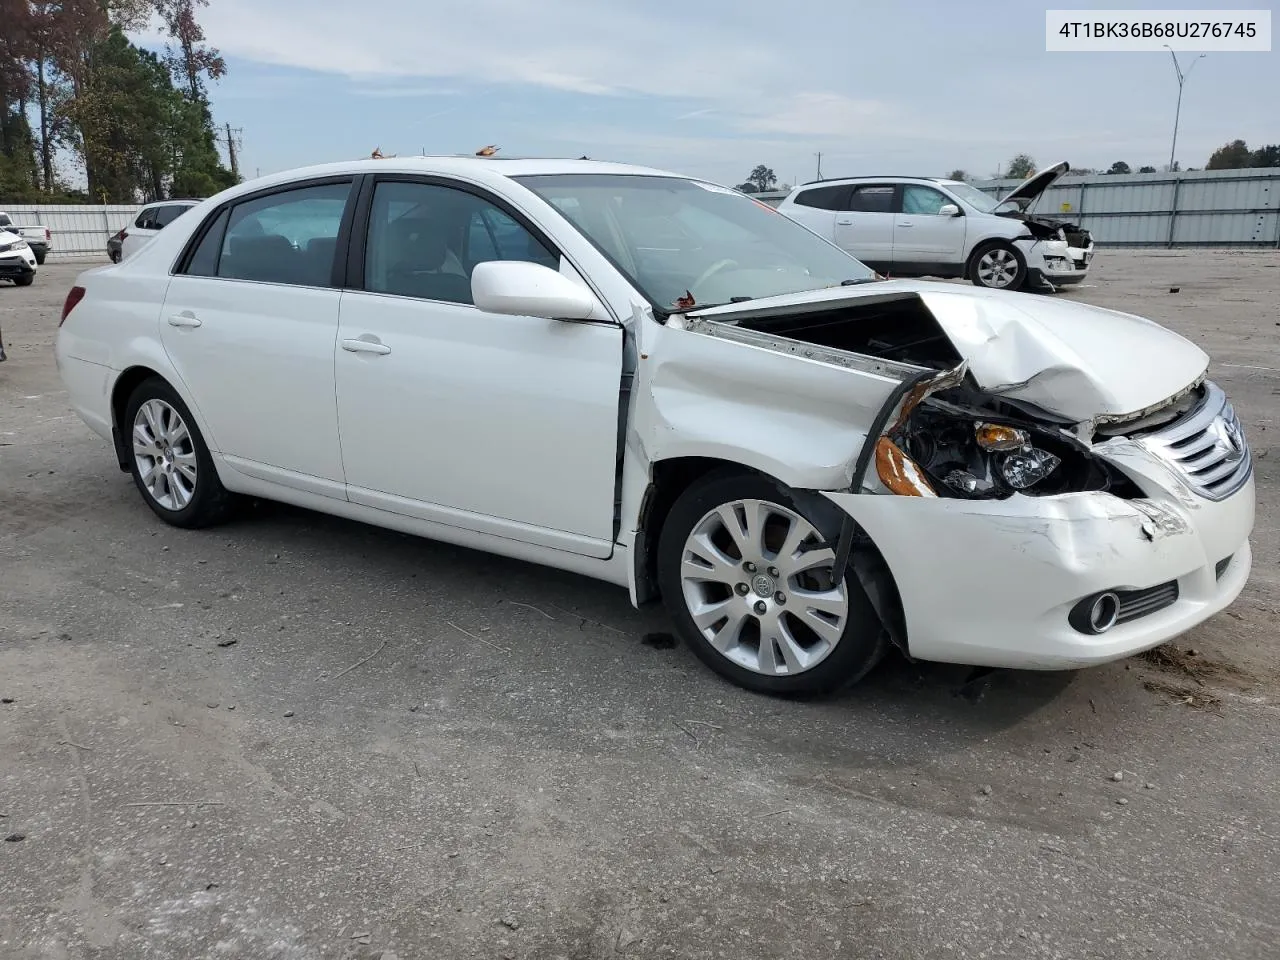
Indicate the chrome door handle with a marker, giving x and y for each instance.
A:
(365, 346)
(185, 319)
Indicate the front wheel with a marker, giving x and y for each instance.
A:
(170, 462)
(25, 280)
(998, 266)
(749, 580)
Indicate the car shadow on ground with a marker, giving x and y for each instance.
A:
(967, 701)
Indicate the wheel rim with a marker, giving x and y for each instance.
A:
(997, 268)
(758, 582)
(165, 454)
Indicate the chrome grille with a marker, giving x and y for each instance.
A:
(1140, 603)
(1207, 446)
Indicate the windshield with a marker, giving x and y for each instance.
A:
(982, 202)
(673, 237)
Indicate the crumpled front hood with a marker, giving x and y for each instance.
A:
(1070, 359)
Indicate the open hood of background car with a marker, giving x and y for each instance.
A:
(1076, 362)
(1027, 192)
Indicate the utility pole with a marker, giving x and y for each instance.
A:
(819, 156)
(231, 150)
(1177, 113)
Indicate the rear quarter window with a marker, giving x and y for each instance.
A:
(824, 198)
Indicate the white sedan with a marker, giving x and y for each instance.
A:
(659, 382)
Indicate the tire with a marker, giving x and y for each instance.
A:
(114, 256)
(182, 485)
(698, 556)
(997, 265)
(40, 257)
(26, 280)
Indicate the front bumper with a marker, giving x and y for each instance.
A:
(991, 583)
(18, 264)
(1056, 263)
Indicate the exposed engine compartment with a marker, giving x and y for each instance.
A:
(960, 441)
(1046, 228)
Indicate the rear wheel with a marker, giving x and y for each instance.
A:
(749, 580)
(998, 266)
(39, 257)
(169, 460)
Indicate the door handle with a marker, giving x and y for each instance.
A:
(365, 346)
(845, 223)
(905, 223)
(185, 319)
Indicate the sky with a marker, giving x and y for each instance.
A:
(712, 88)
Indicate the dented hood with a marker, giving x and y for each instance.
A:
(1072, 360)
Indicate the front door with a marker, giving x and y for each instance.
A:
(249, 325)
(922, 236)
(499, 424)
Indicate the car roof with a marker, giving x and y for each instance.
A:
(481, 168)
(840, 181)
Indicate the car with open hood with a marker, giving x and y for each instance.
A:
(656, 381)
(932, 226)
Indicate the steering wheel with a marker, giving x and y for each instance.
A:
(712, 270)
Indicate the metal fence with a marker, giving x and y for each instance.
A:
(76, 230)
(1210, 208)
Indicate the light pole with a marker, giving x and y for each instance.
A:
(1182, 79)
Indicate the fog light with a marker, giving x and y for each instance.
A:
(1104, 612)
(1027, 467)
(1096, 614)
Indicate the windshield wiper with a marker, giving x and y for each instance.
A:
(857, 280)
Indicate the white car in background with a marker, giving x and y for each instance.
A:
(150, 220)
(929, 226)
(17, 259)
(658, 382)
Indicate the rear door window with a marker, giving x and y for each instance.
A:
(288, 237)
(872, 198)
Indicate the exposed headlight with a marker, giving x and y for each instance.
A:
(20, 245)
(954, 454)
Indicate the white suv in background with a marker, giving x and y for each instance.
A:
(150, 220)
(930, 226)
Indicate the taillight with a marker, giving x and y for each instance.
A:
(47, 235)
(74, 297)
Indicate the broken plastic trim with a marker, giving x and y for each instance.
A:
(908, 395)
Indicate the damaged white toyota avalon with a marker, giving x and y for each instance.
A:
(659, 382)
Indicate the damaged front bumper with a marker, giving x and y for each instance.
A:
(1055, 262)
(995, 582)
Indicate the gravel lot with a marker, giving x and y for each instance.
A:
(297, 737)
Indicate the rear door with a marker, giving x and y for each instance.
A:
(865, 226)
(922, 236)
(249, 323)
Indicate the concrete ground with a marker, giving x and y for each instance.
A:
(297, 737)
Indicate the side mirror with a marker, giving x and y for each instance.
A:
(948, 210)
(519, 288)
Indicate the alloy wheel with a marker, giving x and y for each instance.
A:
(165, 454)
(997, 268)
(758, 581)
